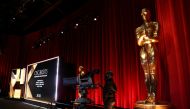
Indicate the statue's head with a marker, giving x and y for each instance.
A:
(145, 13)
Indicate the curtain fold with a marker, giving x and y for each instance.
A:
(9, 60)
(174, 48)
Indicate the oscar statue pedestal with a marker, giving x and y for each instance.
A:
(141, 105)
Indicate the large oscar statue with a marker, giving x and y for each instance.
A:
(146, 36)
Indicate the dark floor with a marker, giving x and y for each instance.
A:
(20, 104)
(24, 104)
(14, 104)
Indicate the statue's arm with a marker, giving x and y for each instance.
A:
(139, 36)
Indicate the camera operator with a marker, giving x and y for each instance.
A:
(109, 91)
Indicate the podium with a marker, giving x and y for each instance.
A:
(159, 105)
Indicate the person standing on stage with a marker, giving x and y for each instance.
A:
(109, 91)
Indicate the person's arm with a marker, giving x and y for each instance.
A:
(113, 86)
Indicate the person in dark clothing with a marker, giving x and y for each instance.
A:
(109, 91)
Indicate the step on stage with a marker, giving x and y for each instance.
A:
(159, 105)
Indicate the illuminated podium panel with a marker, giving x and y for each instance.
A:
(42, 81)
(17, 82)
(17, 93)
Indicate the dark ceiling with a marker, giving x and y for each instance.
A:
(23, 16)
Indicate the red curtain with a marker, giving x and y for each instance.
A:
(174, 47)
(9, 59)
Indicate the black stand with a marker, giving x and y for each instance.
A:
(82, 101)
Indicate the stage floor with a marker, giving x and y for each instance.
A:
(16, 104)
(19, 104)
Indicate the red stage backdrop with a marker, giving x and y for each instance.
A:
(110, 44)
(174, 46)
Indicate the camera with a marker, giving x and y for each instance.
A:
(83, 82)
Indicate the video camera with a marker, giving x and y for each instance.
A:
(83, 82)
(86, 81)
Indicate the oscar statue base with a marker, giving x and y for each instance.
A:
(159, 105)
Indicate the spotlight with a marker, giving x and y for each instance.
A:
(13, 20)
(61, 32)
(95, 19)
(76, 25)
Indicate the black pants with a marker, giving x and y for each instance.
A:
(109, 103)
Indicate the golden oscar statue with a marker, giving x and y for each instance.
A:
(147, 35)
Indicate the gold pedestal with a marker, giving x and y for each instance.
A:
(152, 106)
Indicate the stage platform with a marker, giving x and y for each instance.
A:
(158, 105)
(7, 103)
